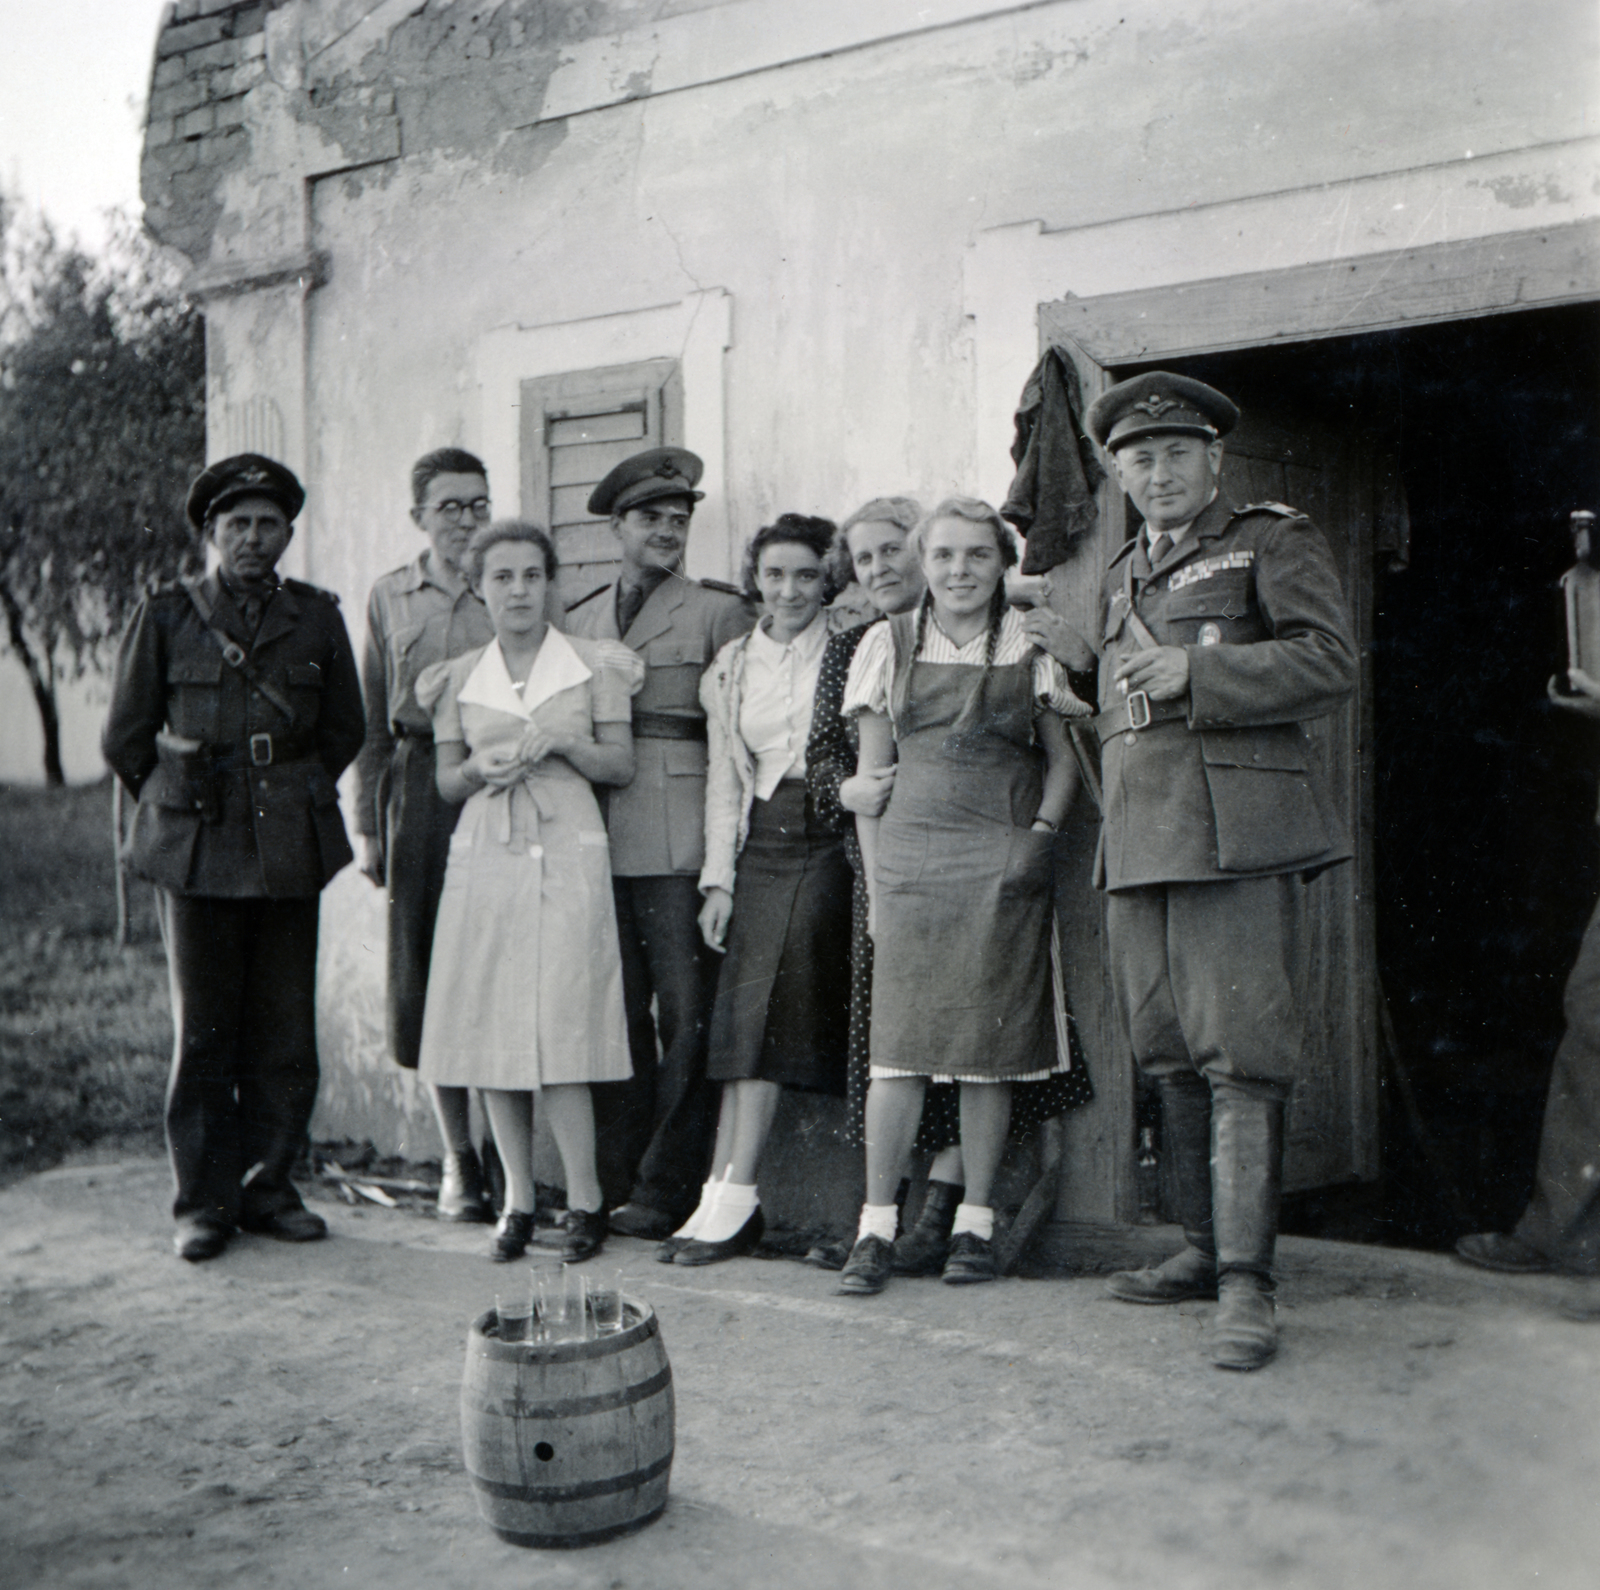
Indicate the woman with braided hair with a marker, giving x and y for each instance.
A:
(959, 871)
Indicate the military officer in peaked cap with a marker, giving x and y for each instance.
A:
(234, 707)
(1222, 630)
(655, 1132)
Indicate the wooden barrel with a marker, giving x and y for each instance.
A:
(571, 1443)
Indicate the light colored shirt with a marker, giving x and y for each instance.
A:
(870, 685)
(418, 615)
(780, 685)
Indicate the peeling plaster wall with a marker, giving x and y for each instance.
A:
(420, 175)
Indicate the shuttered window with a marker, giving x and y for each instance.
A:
(575, 428)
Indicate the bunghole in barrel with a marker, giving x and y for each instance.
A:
(568, 1443)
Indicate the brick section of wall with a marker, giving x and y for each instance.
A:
(209, 55)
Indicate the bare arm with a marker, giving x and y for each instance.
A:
(876, 753)
(1061, 771)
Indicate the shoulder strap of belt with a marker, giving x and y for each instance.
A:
(1141, 630)
(233, 655)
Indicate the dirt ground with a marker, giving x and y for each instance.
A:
(288, 1416)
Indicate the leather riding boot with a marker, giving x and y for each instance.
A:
(923, 1249)
(1186, 1140)
(1247, 1185)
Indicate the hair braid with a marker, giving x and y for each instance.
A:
(924, 607)
(997, 616)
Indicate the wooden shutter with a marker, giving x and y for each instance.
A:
(575, 428)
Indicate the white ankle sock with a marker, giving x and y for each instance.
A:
(734, 1204)
(878, 1220)
(691, 1227)
(976, 1219)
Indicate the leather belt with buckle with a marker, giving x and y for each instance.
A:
(1137, 711)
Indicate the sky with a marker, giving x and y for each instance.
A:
(73, 79)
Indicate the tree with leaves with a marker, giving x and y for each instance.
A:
(102, 426)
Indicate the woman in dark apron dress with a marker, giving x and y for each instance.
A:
(959, 870)
(776, 885)
(875, 547)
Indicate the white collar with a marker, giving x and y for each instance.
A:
(557, 667)
(806, 645)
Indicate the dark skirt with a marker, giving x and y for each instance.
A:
(782, 1009)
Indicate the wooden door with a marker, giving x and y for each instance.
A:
(1346, 486)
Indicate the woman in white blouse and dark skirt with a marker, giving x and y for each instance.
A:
(776, 884)
(959, 871)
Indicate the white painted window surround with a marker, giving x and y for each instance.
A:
(696, 331)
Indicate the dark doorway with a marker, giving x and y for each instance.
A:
(1484, 856)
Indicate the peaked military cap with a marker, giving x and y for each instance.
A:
(243, 475)
(1159, 403)
(661, 472)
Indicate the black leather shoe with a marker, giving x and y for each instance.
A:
(828, 1256)
(744, 1240)
(512, 1236)
(923, 1249)
(671, 1248)
(1499, 1250)
(463, 1193)
(580, 1235)
(971, 1260)
(199, 1240)
(1188, 1274)
(866, 1272)
(287, 1225)
(640, 1220)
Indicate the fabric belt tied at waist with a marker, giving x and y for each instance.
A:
(667, 726)
(404, 731)
(1137, 712)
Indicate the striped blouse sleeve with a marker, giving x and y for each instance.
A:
(1052, 691)
(871, 674)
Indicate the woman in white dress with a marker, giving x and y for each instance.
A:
(525, 984)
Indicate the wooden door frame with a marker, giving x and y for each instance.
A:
(1379, 291)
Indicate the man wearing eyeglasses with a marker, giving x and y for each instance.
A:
(421, 614)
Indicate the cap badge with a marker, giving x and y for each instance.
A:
(1155, 407)
(667, 469)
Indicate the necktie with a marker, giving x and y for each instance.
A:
(1158, 546)
(630, 598)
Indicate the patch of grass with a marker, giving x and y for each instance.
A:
(85, 1027)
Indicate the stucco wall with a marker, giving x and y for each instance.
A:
(420, 179)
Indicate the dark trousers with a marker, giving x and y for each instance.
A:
(244, 1064)
(654, 1132)
(1563, 1220)
(417, 826)
(1201, 972)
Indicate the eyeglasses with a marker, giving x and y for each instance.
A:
(452, 511)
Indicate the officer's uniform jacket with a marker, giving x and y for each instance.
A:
(414, 619)
(657, 822)
(255, 812)
(1221, 785)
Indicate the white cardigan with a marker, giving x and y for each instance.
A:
(730, 768)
